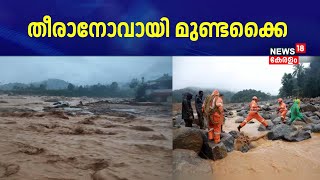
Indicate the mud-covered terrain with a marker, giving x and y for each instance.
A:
(84, 138)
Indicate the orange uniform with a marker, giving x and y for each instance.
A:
(283, 111)
(216, 119)
(253, 114)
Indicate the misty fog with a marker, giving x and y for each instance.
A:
(82, 70)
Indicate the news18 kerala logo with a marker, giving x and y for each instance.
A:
(288, 56)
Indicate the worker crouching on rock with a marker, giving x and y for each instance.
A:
(216, 119)
(253, 114)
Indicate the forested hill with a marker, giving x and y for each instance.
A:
(303, 81)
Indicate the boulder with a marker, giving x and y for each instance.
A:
(315, 118)
(279, 131)
(187, 163)
(299, 123)
(308, 127)
(213, 151)
(317, 114)
(234, 134)
(242, 143)
(308, 114)
(297, 136)
(239, 120)
(277, 120)
(263, 128)
(230, 113)
(288, 114)
(266, 116)
(273, 116)
(316, 128)
(308, 107)
(188, 138)
(242, 113)
(228, 140)
(266, 108)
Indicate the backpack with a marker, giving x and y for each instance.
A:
(207, 102)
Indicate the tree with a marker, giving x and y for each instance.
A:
(114, 86)
(287, 85)
(134, 83)
(298, 70)
(71, 87)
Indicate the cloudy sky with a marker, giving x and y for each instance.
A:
(229, 73)
(81, 70)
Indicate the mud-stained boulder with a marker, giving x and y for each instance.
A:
(242, 143)
(213, 151)
(263, 128)
(188, 138)
(308, 107)
(316, 128)
(187, 165)
(279, 131)
(297, 136)
(228, 140)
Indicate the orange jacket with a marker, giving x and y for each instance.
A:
(282, 107)
(254, 106)
(217, 104)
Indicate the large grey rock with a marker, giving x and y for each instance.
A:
(234, 134)
(213, 151)
(266, 116)
(188, 138)
(187, 164)
(228, 140)
(273, 116)
(263, 128)
(239, 120)
(308, 127)
(316, 128)
(242, 143)
(308, 107)
(317, 114)
(242, 113)
(297, 136)
(308, 114)
(279, 131)
(277, 120)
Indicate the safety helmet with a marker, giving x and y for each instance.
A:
(254, 98)
(280, 100)
(215, 93)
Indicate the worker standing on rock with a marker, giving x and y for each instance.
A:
(198, 104)
(295, 112)
(282, 109)
(216, 119)
(254, 108)
(187, 111)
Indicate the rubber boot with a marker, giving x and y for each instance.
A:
(239, 127)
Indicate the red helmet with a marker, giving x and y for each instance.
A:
(254, 98)
(215, 93)
(280, 100)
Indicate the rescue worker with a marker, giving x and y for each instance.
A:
(253, 113)
(282, 109)
(295, 112)
(216, 117)
(187, 111)
(224, 118)
(198, 104)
